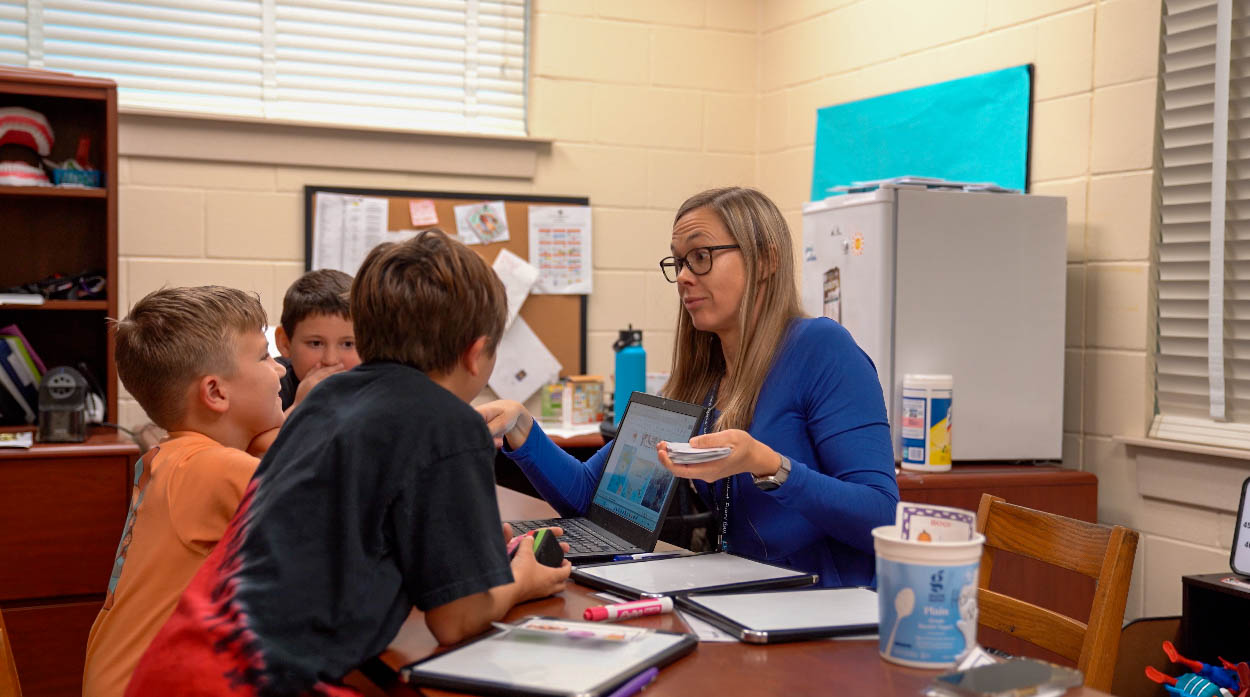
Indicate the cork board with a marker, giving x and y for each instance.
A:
(559, 320)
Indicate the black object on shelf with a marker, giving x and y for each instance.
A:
(1214, 617)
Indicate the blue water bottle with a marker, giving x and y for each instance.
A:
(631, 369)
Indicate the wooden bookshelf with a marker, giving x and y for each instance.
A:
(62, 506)
(67, 230)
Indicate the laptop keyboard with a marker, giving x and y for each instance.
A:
(582, 538)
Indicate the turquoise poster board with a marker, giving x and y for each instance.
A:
(973, 129)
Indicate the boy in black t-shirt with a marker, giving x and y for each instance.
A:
(376, 497)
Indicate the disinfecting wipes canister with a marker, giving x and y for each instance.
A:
(926, 422)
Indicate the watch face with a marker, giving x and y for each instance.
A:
(767, 483)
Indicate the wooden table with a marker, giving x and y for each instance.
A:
(811, 667)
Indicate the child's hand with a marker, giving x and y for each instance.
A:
(313, 378)
(535, 580)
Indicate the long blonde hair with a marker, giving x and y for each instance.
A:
(698, 361)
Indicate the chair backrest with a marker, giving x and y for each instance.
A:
(1103, 553)
(9, 686)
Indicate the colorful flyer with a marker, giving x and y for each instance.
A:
(560, 238)
(482, 223)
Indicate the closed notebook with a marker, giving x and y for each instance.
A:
(14, 406)
(797, 615)
(20, 373)
(15, 332)
(693, 573)
(28, 360)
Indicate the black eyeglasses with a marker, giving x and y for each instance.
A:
(699, 260)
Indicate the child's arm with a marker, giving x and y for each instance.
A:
(462, 618)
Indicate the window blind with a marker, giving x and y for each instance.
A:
(13, 32)
(1203, 359)
(443, 65)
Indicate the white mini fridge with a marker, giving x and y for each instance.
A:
(948, 281)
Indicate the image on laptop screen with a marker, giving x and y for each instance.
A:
(634, 482)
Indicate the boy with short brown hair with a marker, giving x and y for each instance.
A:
(197, 361)
(315, 338)
(377, 496)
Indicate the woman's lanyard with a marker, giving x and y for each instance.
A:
(722, 542)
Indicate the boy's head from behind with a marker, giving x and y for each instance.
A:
(188, 351)
(432, 303)
(316, 329)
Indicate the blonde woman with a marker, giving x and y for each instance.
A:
(812, 469)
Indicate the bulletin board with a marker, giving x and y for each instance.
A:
(558, 320)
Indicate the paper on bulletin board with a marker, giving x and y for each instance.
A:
(560, 238)
(974, 129)
(347, 227)
(482, 223)
(518, 277)
(522, 364)
(422, 212)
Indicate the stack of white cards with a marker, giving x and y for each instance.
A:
(685, 454)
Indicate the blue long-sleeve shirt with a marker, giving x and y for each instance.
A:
(821, 406)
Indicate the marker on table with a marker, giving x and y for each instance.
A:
(624, 611)
(636, 684)
(645, 555)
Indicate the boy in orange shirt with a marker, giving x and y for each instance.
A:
(315, 338)
(198, 362)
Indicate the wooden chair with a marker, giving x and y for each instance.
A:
(1100, 552)
(9, 686)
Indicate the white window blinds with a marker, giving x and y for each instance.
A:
(444, 65)
(1203, 362)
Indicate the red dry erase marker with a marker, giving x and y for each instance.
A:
(624, 611)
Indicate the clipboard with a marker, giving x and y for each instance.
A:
(792, 615)
(693, 573)
(550, 657)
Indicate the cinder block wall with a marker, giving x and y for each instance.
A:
(648, 101)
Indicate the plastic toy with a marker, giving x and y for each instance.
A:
(1206, 680)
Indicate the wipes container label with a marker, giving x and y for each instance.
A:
(940, 428)
(928, 613)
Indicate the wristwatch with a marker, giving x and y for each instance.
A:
(775, 480)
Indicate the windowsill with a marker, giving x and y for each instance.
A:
(1188, 473)
(1184, 447)
(157, 134)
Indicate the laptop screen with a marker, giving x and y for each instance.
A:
(634, 483)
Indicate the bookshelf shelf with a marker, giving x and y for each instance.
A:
(58, 305)
(53, 192)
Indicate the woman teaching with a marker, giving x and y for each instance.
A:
(812, 468)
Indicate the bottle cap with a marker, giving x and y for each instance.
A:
(628, 337)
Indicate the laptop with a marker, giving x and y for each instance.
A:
(634, 491)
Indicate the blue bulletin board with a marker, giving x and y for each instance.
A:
(971, 129)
